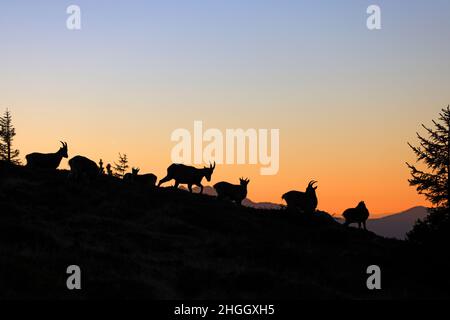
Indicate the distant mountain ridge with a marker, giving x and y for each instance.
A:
(397, 225)
(261, 205)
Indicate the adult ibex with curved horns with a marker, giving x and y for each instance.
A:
(304, 201)
(38, 160)
(188, 175)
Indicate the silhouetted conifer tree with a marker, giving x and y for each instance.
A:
(433, 182)
(121, 167)
(7, 133)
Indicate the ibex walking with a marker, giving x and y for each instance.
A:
(356, 215)
(188, 175)
(38, 160)
(144, 179)
(233, 192)
(304, 201)
(82, 167)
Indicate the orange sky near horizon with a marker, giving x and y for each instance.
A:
(368, 171)
(346, 100)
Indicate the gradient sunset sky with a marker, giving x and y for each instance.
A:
(346, 100)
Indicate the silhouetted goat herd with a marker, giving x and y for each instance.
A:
(84, 168)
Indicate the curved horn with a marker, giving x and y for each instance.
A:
(311, 183)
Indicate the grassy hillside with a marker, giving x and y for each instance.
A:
(134, 242)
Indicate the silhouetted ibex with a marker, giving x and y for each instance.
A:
(129, 175)
(82, 167)
(357, 215)
(304, 201)
(233, 192)
(47, 160)
(188, 175)
(144, 179)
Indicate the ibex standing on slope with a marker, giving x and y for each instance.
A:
(233, 192)
(38, 160)
(304, 201)
(144, 179)
(357, 215)
(129, 175)
(188, 175)
(82, 167)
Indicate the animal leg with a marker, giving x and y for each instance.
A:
(163, 180)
